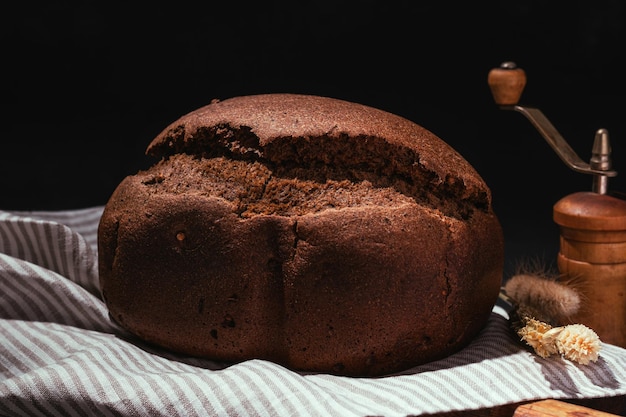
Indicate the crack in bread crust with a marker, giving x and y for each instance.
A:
(299, 175)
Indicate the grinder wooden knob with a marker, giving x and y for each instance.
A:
(592, 259)
(507, 83)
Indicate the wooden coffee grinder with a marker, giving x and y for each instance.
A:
(592, 224)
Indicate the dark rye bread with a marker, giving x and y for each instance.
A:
(323, 235)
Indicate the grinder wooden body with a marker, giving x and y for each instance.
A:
(592, 259)
(592, 254)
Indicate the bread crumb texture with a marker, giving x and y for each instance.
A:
(299, 176)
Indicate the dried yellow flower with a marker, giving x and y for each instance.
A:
(577, 342)
(533, 334)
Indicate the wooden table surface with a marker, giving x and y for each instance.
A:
(594, 407)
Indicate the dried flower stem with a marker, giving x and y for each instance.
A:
(551, 300)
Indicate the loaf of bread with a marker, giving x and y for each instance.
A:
(321, 234)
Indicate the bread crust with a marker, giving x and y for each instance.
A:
(324, 235)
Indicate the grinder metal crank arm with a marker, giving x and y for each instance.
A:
(507, 83)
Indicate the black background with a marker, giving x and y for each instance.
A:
(87, 85)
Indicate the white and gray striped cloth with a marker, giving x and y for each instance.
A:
(61, 355)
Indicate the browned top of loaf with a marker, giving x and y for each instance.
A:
(248, 127)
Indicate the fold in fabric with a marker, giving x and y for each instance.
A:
(60, 354)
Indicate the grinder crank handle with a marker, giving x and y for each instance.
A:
(507, 83)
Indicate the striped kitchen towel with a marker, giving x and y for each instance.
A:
(61, 355)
